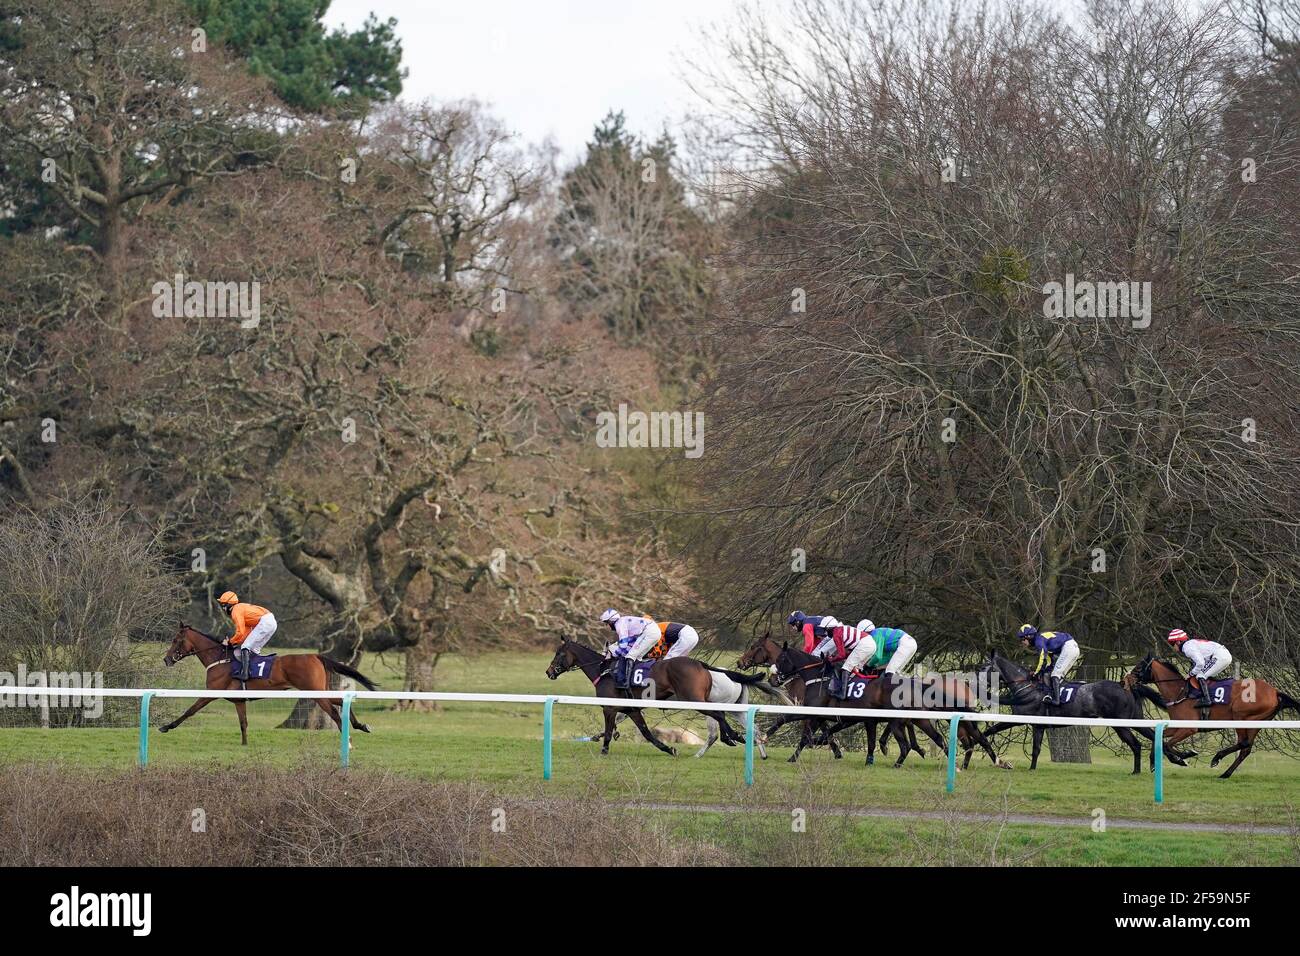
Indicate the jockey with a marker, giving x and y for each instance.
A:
(635, 636)
(813, 629)
(254, 626)
(1208, 659)
(1056, 650)
(888, 647)
(678, 640)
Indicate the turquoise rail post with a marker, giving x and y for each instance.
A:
(749, 746)
(345, 736)
(1159, 753)
(144, 727)
(952, 752)
(548, 712)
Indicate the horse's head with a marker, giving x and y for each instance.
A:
(787, 665)
(763, 653)
(183, 644)
(1008, 670)
(1141, 672)
(565, 659)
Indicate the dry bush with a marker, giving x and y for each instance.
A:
(257, 816)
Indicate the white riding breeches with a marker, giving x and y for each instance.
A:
(648, 639)
(687, 638)
(862, 652)
(1065, 659)
(1213, 666)
(905, 651)
(260, 634)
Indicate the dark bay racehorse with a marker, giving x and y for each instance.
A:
(764, 653)
(303, 671)
(1103, 698)
(1251, 699)
(681, 677)
(892, 692)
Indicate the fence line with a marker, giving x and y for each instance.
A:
(548, 702)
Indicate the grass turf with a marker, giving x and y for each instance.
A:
(500, 745)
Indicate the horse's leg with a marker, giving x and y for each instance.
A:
(871, 741)
(332, 709)
(638, 718)
(1176, 736)
(729, 736)
(1247, 743)
(1038, 746)
(929, 730)
(904, 748)
(911, 736)
(241, 708)
(609, 729)
(1127, 735)
(197, 706)
(713, 737)
(805, 737)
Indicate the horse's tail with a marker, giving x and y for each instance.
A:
(340, 668)
(1148, 693)
(1286, 700)
(776, 692)
(738, 677)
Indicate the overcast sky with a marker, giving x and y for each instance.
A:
(548, 67)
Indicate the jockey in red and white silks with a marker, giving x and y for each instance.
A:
(1208, 660)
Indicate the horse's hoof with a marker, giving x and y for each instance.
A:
(364, 728)
(793, 758)
(672, 751)
(871, 761)
(1005, 765)
(163, 729)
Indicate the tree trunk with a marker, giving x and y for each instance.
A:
(1070, 744)
(307, 714)
(421, 663)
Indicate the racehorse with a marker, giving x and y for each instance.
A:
(680, 677)
(892, 692)
(1264, 702)
(302, 671)
(764, 653)
(1103, 698)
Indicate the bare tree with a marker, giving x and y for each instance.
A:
(896, 402)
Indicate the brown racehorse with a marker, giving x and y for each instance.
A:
(679, 677)
(303, 671)
(1171, 694)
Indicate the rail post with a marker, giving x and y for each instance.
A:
(1158, 752)
(952, 752)
(144, 727)
(548, 709)
(345, 735)
(749, 746)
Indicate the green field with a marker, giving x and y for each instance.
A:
(500, 745)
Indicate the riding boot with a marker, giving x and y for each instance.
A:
(838, 679)
(245, 662)
(1054, 692)
(621, 667)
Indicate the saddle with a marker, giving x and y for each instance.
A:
(631, 676)
(1220, 692)
(259, 666)
(1068, 689)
